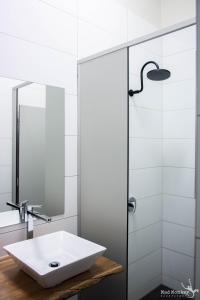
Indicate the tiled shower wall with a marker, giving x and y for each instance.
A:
(162, 132)
(179, 97)
(145, 226)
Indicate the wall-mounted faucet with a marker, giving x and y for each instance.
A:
(27, 214)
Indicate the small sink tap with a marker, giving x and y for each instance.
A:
(27, 214)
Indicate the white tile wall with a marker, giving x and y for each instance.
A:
(178, 181)
(145, 182)
(142, 272)
(179, 124)
(178, 238)
(179, 158)
(70, 155)
(144, 241)
(179, 95)
(177, 266)
(179, 153)
(140, 157)
(149, 211)
(179, 41)
(162, 161)
(174, 210)
(179, 71)
(5, 151)
(144, 123)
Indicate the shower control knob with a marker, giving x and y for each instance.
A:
(132, 204)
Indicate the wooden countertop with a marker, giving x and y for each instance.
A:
(17, 285)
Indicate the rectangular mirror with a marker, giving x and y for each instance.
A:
(32, 147)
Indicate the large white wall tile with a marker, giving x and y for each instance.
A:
(143, 271)
(145, 289)
(178, 266)
(138, 26)
(71, 196)
(70, 155)
(145, 182)
(67, 224)
(5, 179)
(38, 64)
(143, 242)
(179, 153)
(178, 238)
(179, 41)
(145, 153)
(179, 95)
(142, 53)
(179, 124)
(106, 15)
(178, 181)
(10, 238)
(69, 6)
(148, 212)
(181, 65)
(92, 39)
(151, 97)
(70, 114)
(5, 151)
(60, 34)
(179, 210)
(145, 123)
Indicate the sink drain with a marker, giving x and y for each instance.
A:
(54, 264)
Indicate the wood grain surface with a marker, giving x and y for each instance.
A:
(17, 285)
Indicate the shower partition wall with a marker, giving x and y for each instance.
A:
(140, 146)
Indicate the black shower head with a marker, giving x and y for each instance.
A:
(155, 74)
(158, 74)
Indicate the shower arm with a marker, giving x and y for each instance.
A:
(131, 92)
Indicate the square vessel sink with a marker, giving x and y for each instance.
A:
(53, 258)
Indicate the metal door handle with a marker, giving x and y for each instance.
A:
(132, 204)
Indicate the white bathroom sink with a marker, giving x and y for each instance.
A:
(53, 258)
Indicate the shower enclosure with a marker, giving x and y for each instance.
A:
(137, 162)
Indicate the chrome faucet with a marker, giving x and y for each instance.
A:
(27, 214)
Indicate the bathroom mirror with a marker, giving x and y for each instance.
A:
(32, 149)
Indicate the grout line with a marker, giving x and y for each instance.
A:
(59, 9)
(39, 44)
(71, 176)
(150, 253)
(160, 166)
(145, 227)
(192, 49)
(178, 196)
(177, 252)
(178, 224)
(160, 138)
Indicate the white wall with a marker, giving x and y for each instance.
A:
(179, 157)
(162, 165)
(39, 43)
(175, 11)
(145, 226)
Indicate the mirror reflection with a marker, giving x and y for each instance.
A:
(31, 148)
